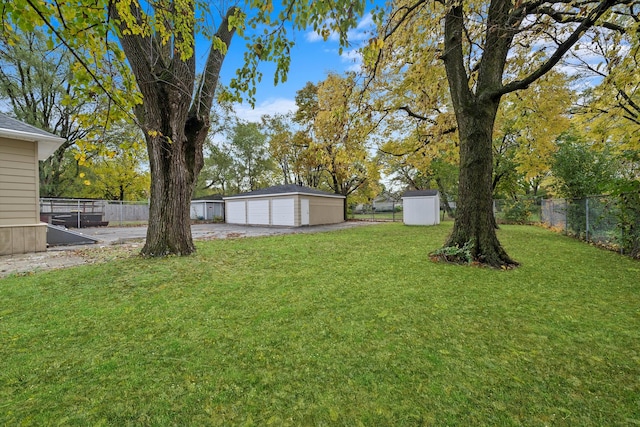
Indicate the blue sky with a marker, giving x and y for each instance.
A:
(311, 59)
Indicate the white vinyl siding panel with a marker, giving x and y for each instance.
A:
(282, 212)
(423, 210)
(236, 212)
(258, 212)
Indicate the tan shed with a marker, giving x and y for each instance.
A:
(21, 146)
(285, 205)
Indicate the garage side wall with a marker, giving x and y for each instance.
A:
(325, 210)
(20, 227)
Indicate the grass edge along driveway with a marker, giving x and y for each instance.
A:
(355, 327)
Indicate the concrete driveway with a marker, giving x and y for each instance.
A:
(128, 240)
(118, 235)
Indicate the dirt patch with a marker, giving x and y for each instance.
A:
(54, 259)
(121, 242)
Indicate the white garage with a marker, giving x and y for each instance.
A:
(285, 205)
(421, 207)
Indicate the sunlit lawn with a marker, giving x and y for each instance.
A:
(341, 328)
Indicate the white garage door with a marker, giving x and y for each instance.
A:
(258, 212)
(282, 212)
(236, 213)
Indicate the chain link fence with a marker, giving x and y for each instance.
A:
(609, 221)
(369, 214)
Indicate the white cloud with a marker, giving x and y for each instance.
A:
(270, 106)
(360, 33)
(363, 30)
(313, 37)
(354, 57)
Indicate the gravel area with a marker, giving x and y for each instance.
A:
(117, 242)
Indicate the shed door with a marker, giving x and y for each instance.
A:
(413, 211)
(304, 211)
(258, 212)
(282, 212)
(195, 210)
(236, 212)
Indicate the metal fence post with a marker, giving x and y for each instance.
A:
(393, 211)
(586, 209)
(566, 217)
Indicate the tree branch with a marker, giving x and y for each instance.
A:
(563, 48)
(453, 56)
(54, 30)
(206, 90)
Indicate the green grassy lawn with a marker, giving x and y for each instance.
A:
(355, 327)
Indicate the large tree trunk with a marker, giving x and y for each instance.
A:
(175, 140)
(171, 190)
(475, 224)
(174, 116)
(475, 94)
(475, 106)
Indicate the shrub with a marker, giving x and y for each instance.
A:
(629, 219)
(517, 211)
(454, 254)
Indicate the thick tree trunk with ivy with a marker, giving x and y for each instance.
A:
(175, 118)
(475, 224)
(476, 88)
(476, 109)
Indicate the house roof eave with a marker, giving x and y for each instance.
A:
(46, 144)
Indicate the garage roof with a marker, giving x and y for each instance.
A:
(418, 193)
(280, 190)
(15, 129)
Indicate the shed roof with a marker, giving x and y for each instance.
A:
(212, 197)
(15, 129)
(420, 193)
(279, 190)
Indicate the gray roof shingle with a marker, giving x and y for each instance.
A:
(9, 123)
(284, 189)
(418, 193)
